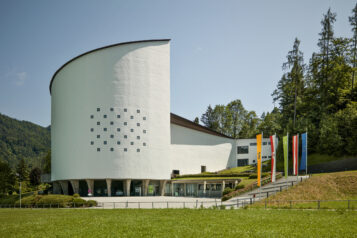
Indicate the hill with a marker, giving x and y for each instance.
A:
(23, 139)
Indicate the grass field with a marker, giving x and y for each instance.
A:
(176, 223)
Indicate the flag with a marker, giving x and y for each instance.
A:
(286, 154)
(259, 157)
(273, 146)
(303, 162)
(295, 154)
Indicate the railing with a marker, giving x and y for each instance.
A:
(307, 204)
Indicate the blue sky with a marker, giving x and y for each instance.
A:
(220, 50)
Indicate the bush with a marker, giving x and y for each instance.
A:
(227, 191)
(239, 187)
(76, 195)
(91, 203)
(79, 202)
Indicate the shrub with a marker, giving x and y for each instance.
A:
(222, 207)
(227, 191)
(91, 203)
(239, 187)
(79, 202)
(253, 176)
(76, 195)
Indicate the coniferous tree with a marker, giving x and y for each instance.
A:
(197, 121)
(22, 170)
(7, 178)
(353, 21)
(35, 176)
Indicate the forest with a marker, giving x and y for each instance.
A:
(318, 96)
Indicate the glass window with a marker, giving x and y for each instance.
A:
(131, 143)
(111, 109)
(264, 143)
(125, 149)
(111, 149)
(111, 123)
(125, 110)
(242, 162)
(269, 143)
(137, 150)
(118, 129)
(264, 157)
(144, 118)
(138, 137)
(144, 144)
(125, 123)
(105, 116)
(144, 131)
(269, 156)
(104, 129)
(91, 129)
(118, 116)
(105, 142)
(131, 117)
(91, 116)
(131, 130)
(125, 136)
(138, 124)
(253, 161)
(92, 142)
(118, 142)
(111, 136)
(98, 136)
(98, 123)
(253, 144)
(138, 111)
(98, 109)
(98, 149)
(243, 150)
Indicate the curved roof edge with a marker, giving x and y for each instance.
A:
(101, 48)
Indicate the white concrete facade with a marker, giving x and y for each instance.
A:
(250, 146)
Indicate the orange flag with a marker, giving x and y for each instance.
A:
(259, 157)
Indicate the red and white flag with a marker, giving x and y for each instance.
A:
(273, 157)
(295, 154)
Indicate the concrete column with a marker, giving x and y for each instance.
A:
(184, 189)
(162, 187)
(75, 185)
(235, 183)
(64, 186)
(204, 187)
(223, 185)
(145, 186)
(90, 184)
(172, 189)
(56, 188)
(109, 187)
(126, 184)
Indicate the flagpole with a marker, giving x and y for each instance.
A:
(287, 159)
(297, 157)
(261, 165)
(306, 154)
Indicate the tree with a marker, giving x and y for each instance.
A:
(208, 118)
(35, 176)
(353, 21)
(7, 178)
(197, 121)
(47, 163)
(22, 170)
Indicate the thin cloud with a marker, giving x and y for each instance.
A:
(20, 78)
(16, 77)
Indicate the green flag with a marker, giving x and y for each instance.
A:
(285, 146)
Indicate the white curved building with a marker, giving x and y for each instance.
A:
(112, 132)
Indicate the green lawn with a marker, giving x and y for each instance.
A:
(176, 223)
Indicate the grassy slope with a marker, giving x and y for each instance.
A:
(175, 223)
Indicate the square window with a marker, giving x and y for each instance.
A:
(98, 136)
(144, 118)
(138, 137)
(144, 131)
(92, 142)
(125, 110)
(144, 144)
(105, 116)
(98, 149)
(111, 109)
(111, 123)
(131, 130)
(138, 111)
(118, 129)
(137, 150)
(91, 116)
(118, 116)
(125, 123)
(125, 136)
(131, 117)
(111, 149)
(98, 109)
(91, 129)
(138, 124)
(118, 142)
(125, 149)
(131, 143)
(111, 136)
(105, 142)
(104, 129)
(98, 123)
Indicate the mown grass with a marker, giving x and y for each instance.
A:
(176, 223)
